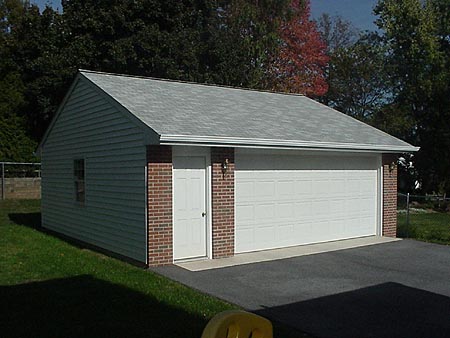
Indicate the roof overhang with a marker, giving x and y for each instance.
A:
(220, 141)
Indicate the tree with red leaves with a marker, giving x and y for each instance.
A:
(299, 66)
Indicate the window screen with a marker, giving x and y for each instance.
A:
(78, 173)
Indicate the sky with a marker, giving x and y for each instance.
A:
(359, 12)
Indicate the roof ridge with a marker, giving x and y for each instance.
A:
(190, 82)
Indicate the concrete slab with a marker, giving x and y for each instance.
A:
(296, 251)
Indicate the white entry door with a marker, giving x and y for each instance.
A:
(189, 207)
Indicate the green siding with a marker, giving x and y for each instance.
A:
(113, 216)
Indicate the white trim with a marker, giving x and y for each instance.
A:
(209, 239)
(379, 231)
(381, 195)
(173, 212)
(219, 141)
(146, 208)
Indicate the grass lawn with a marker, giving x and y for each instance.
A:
(49, 288)
(430, 227)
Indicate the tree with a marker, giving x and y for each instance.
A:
(358, 79)
(336, 32)
(149, 38)
(186, 40)
(16, 145)
(356, 74)
(416, 34)
(299, 65)
(230, 42)
(33, 45)
(243, 37)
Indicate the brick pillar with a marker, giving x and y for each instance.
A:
(159, 176)
(389, 196)
(222, 203)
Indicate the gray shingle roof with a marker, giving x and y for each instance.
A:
(194, 113)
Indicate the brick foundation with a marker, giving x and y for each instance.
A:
(159, 171)
(222, 203)
(389, 196)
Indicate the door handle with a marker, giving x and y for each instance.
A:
(203, 214)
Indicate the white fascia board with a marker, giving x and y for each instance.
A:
(280, 144)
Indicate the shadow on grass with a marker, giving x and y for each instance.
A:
(385, 310)
(31, 220)
(87, 307)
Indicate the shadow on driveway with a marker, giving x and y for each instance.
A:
(384, 310)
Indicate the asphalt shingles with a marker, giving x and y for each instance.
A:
(189, 109)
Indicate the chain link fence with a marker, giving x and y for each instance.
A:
(20, 180)
(424, 217)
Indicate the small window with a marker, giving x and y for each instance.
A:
(78, 175)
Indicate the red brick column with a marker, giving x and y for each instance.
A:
(389, 196)
(222, 203)
(159, 211)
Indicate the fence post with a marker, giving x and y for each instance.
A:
(407, 214)
(3, 180)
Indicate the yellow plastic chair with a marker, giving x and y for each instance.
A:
(238, 324)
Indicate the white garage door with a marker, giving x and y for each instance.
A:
(285, 200)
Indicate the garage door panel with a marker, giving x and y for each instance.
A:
(303, 187)
(246, 212)
(338, 186)
(264, 233)
(321, 187)
(337, 207)
(285, 211)
(366, 206)
(285, 189)
(245, 189)
(245, 235)
(320, 208)
(302, 210)
(324, 199)
(285, 232)
(338, 226)
(352, 186)
(264, 189)
(264, 211)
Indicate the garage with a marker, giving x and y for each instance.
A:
(178, 171)
(293, 198)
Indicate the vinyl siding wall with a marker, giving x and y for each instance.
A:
(113, 216)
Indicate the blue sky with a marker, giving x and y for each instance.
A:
(359, 12)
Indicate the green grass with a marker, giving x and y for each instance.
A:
(50, 288)
(429, 227)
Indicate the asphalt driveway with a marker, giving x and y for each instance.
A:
(397, 289)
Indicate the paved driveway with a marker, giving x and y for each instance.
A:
(397, 289)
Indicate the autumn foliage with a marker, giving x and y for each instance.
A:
(299, 66)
